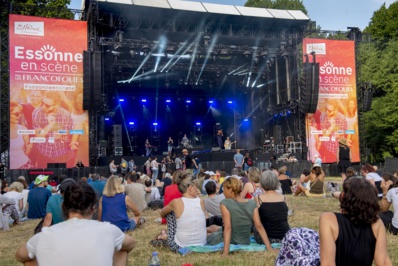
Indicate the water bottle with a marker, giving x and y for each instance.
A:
(154, 261)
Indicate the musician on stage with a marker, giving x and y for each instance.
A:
(220, 136)
(185, 141)
(148, 148)
(170, 145)
(227, 144)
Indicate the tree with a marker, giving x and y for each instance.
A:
(278, 4)
(43, 8)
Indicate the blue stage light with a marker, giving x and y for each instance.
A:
(155, 124)
(168, 101)
(106, 118)
(143, 100)
(230, 102)
(211, 102)
(246, 119)
(198, 123)
(188, 101)
(131, 123)
(121, 100)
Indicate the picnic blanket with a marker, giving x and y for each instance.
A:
(213, 248)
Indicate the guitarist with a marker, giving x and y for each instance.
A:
(228, 144)
(148, 148)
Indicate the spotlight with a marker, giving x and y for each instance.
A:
(145, 48)
(211, 102)
(143, 100)
(168, 101)
(246, 120)
(155, 124)
(188, 101)
(131, 123)
(121, 100)
(132, 52)
(206, 40)
(230, 102)
(247, 53)
(198, 123)
(106, 118)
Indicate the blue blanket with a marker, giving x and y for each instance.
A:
(208, 248)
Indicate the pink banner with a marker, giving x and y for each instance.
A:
(336, 116)
(47, 120)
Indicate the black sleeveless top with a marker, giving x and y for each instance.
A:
(355, 244)
(273, 216)
(344, 153)
(286, 186)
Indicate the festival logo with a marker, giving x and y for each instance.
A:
(29, 28)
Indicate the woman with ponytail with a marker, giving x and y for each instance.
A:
(79, 240)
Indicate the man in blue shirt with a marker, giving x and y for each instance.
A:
(38, 197)
(97, 185)
(238, 159)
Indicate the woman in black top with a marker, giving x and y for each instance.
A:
(356, 235)
(286, 182)
(343, 157)
(272, 209)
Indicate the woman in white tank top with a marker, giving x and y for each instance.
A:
(186, 221)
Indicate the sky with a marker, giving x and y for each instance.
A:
(329, 14)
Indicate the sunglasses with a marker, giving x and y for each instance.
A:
(48, 105)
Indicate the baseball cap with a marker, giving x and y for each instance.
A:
(65, 184)
(41, 178)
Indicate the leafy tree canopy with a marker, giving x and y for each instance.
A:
(278, 4)
(43, 8)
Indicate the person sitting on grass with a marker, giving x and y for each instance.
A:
(113, 205)
(185, 216)
(212, 204)
(316, 179)
(252, 188)
(390, 196)
(356, 235)
(79, 240)
(350, 173)
(152, 196)
(238, 217)
(272, 209)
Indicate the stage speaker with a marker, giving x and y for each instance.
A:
(314, 88)
(277, 135)
(92, 80)
(367, 100)
(117, 135)
(215, 149)
(103, 144)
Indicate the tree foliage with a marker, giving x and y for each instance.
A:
(278, 4)
(378, 62)
(43, 8)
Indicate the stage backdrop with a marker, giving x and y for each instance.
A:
(47, 121)
(336, 116)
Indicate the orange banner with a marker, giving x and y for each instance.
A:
(47, 121)
(336, 116)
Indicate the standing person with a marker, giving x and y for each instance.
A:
(47, 121)
(38, 197)
(238, 159)
(113, 167)
(317, 160)
(248, 162)
(147, 166)
(190, 162)
(2, 170)
(148, 148)
(178, 163)
(356, 235)
(220, 136)
(185, 141)
(227, 144)
(65, 241)
(170, 143)
(155, 169)
(343, 157)
(123, 166)
(132, 165)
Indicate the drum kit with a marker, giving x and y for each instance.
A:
(186, 143)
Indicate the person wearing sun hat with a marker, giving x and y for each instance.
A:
(38, 198)
(343, 157)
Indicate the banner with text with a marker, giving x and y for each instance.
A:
(336, 118)
(47, 122)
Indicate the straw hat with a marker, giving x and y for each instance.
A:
(343, 141)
